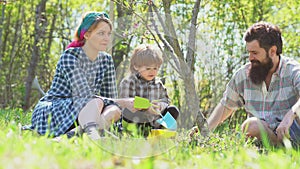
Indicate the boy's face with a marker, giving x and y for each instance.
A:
(148, 72)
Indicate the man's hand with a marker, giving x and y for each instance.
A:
(193, 131)
(283, 128)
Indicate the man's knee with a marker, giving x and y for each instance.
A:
(252, 126)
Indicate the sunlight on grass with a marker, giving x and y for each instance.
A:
(227, 149)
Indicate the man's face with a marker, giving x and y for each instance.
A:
(261, 63)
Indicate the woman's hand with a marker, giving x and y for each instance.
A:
(126, 103)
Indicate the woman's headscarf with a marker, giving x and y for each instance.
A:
(86, 23)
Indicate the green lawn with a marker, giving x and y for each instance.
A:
(227, 149)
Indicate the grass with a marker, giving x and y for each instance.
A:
(226, 149)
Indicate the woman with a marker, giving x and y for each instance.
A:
(83, 74)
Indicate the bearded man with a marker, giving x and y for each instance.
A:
(268, 87)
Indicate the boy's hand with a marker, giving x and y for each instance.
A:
(154, 109)
(159, 105)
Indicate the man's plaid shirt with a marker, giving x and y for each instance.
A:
(270, 105)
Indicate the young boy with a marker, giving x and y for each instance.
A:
(142, 81)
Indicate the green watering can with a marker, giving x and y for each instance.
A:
(141, 103)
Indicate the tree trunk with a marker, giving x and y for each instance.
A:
(170, 33)
(191, 111)
(112, 19)
(11, 74)
(6, 34)
(1, 28)
(39, 32)
(124, 22)
(190, 59)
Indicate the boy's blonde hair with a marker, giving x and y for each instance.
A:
(144, 55)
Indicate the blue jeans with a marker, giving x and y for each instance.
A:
(295, 134)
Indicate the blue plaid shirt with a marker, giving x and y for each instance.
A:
(76, 81)
(270, 105)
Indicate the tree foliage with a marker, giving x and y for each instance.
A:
(34, 33)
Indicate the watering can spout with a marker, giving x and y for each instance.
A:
(168, 121)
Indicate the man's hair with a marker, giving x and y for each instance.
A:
(266, 34)
(144, 55)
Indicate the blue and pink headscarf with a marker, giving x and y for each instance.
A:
(86, 23)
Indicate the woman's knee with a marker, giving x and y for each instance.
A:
(112, 113)
(96, 103)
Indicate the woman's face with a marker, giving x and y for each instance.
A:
(99, 38)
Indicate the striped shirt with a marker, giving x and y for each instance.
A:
(270, 105)
(76, 81)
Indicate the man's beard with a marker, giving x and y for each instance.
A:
(259, 71)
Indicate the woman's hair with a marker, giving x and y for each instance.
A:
(144, 55)
(89, 22)
(266, 34)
